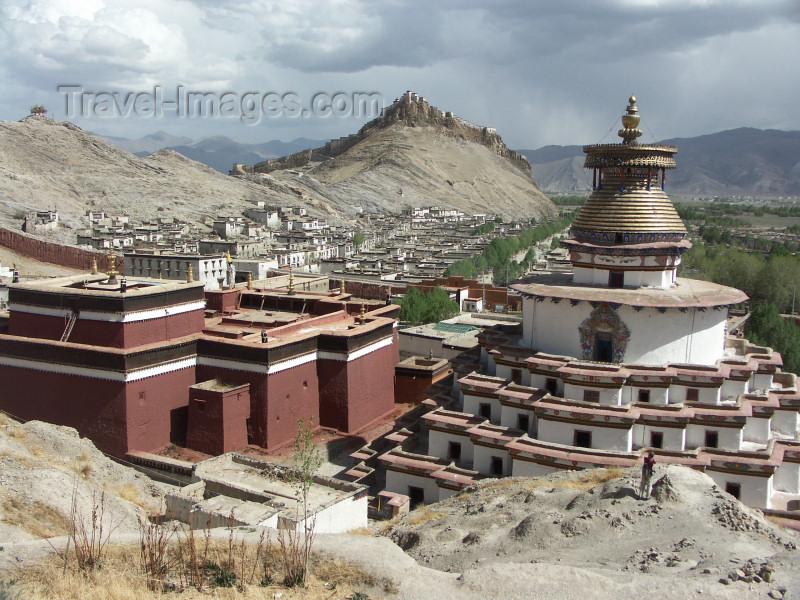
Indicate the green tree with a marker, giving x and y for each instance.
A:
(358, 239)
(417, 306)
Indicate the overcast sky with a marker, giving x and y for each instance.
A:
(540, 72)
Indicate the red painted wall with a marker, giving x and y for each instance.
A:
(105, 333)
(157, 410)
(57, 254)
(94, 407)
(218, 420)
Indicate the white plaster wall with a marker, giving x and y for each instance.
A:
(785, 422)
(524, 468)
(655, 338)
(585, 275)
(483, 460)
(607, 396)
(605, 438)
(399, 483)
(439, 445)
(756, 491)
(757, 430)
(445, 493)
(538, 381)
(342, 516)
(787, 478)
(760, 382)
(728, 438)
(677, 394)
(472, 406)
(503, 371)
(417, 345)
(731, 390)
(658, 396)
(673, 436)
(508, 418)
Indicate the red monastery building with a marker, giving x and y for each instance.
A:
(138, 365)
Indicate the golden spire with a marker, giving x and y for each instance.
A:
(341, 286)
(112, 267)
(228, 257)
(291, 281)
(630, 120)
(362, 313)
(94, 266)
(249, 280)
(189, 274)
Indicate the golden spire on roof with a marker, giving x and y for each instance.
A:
(189, 274)
(112, 267)
(362, 314)
(291, 281)
(94, 266)
(228, 257)
(341, 286)
(249, 280)
(630, 120)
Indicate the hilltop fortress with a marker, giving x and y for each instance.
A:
(410, 109)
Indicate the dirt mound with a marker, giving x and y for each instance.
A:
(689, 532)
(43, 467)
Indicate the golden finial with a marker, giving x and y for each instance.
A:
(112, 267)
(630, 120)
(228, 257)
(291, 281)
(362, 314)
(94, 266)
(189, 274)
(249, 280)
(341, 286)
(160, 276)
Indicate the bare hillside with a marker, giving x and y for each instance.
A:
(48, 164)
(413, 155)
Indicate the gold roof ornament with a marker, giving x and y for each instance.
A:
(341, 286)
(630, 120)
(189, 274)
(249, 280)
(94, 266)
(291, 281)
(112, 267)
(228, 257)
(628, 203)
(362, 314)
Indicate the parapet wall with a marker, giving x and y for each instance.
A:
(50, 252)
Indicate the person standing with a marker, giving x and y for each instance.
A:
(647, 476)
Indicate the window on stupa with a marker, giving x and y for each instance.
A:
(644, 395)
(591, 396)
(582, 439)
(692, 394)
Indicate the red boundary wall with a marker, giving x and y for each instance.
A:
(57, 254)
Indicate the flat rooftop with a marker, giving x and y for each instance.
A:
(686, 292)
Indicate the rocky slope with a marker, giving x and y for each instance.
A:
(567, 535)
(737, 162)
(48, 164)
(413, 155)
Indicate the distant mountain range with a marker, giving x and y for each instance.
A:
(218, 152)
(737, 162)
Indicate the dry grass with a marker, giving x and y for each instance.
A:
(128, 491)
(579, 480)
(83, 465)
(18, 433)
(121, 578)
(3, 419)
(365, 531)
(423, 514)
(34, 517)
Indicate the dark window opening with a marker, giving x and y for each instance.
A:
(712, 439)
(603, 348)
(583, 439)
(516, 376)
(454, 451)
(591, 396)
(618, 238)
(485, 410)
(551, 385)
(416, 496)
(734, 489)
(656, 439)
(616, 279)
(523, 422)
(692, 394)
(496, 467)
